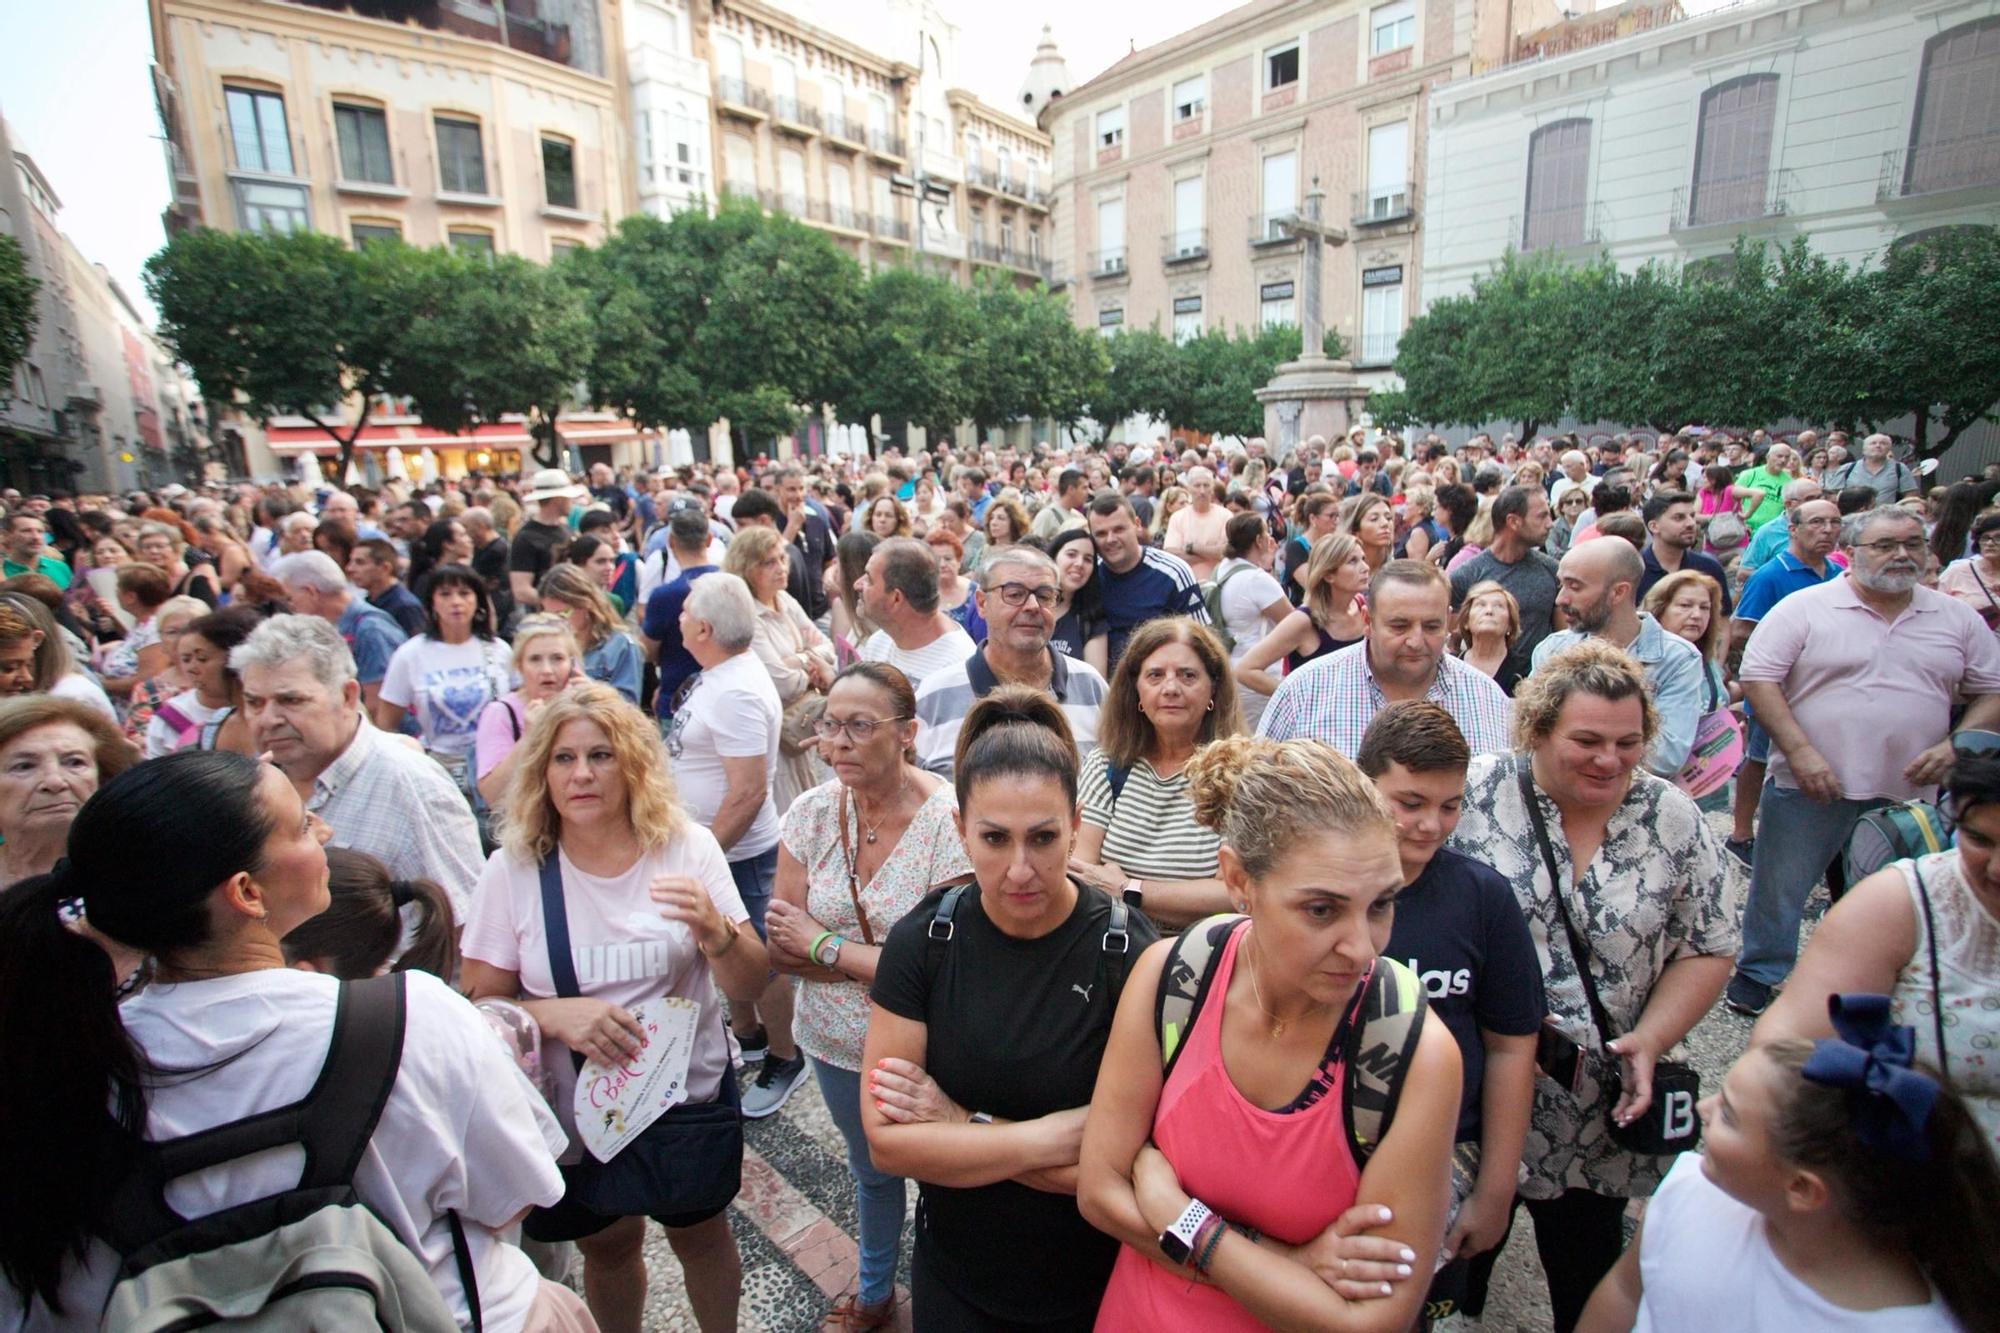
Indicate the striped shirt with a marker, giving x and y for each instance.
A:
(948, 694)
(948, 649)
(1334, 699)
(1149, 828)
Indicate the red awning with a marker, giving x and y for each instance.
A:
(513, 434)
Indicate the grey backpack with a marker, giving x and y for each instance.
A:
(309, 1258)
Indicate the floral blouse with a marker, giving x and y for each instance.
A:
(1660, 889)
(832, 1016)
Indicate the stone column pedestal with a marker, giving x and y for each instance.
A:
(1314, 395)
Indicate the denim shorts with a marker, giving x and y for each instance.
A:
(754, 876)
(1757, 744)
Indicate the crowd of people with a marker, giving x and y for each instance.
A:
(1099, 829)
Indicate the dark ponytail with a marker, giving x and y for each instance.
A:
(1015, 731)
(146, 854)
(1943, 1213)
(358, 932)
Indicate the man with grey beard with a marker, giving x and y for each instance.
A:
(1854, 679)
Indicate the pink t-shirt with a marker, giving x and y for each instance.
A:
(1187, 527)
(501, 726)
(623, 950)
(1305, 1175)
(1868, 694)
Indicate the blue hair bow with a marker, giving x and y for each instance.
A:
(1871, 1056)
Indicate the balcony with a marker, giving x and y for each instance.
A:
(1108, 265)
(1576, 227)
(1966, 163)
(886, 144)
(845, 219)
(796, 116)
(742, 190)
(738, 97)
(1057, 276)
(1027, 263)
(1377, 348)
(891, 229)
(794, 205)
(1184, 247)
(979, 178)
(650, 64)
(848, 133)
(1731, 201)
(1380, 206)
(985, 252)
(1272, 229)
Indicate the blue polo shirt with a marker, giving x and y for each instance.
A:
(662, 624)
(1159, 585)
(1778, 579)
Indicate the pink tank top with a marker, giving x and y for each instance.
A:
(1288, 1174)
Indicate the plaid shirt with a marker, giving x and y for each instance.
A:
(1334, 699)
(394, 802)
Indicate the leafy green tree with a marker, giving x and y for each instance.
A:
(646, 290)
(18, 315)
(917, 338)
(1030, 360)
(1223, 373)
(1438, 386)
(277, 324)
(1143, 375)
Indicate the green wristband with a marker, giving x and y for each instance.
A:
(812, 950)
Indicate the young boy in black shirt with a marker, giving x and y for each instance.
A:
(1460, 930)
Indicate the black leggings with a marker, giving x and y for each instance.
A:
(1579, 1236)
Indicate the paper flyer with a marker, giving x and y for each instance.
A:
(615, 1104)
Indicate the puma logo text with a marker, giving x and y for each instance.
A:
(1084, 991)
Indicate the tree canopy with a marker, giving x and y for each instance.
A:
(18, 315)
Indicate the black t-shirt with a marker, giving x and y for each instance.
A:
(616, 500)
(1074, 630)
(1017, 1028)
(1460, 929)
(535, 547)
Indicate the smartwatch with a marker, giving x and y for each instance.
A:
(1134, 896)
(1177, 1241)
(829, 952)
(980, 1118)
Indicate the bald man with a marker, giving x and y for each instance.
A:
(1599, 592)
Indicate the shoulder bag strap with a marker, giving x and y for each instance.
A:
(1579, 951)
(555, 921)
(1972, 564)
(853, 879)
(468, 1277)
(1937, 989)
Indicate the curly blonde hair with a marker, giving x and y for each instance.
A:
(1259, 793)
(530, 826)
(1590, 667)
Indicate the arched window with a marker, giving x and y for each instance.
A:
(1955, 135)
(1558, 184)
(1732, 160)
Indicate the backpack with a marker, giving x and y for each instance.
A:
(1894, 833)
(1379, 1044)
(1211, 600)
(312, 1257)
(1117, 942)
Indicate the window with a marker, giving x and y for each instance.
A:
(878, 114)
(1111, 235)
(1276, 305)
(1188, 237)
(1002, 161)
(1388, 171)
(1190, 98)
(1007, 235)
(1732, 158)
(1034, 242)
(973, 158)
(792, 182)
(461, 162)
(1187, 318)
(833, 98)
(840, 193)
(559, 173)
(728, 58)
(885, 200)
(263, 206)
(1111, 127)
(1392, 27)
(1281, 66)
(739, 165)
(1558, 181)
(469, 242)
(785, 83)
(257, 129)
(371, 233)
(975, 224)
(1281, 191)
(1381, 313)
(363, 132)
(561, 246)
(1955, 137)
(1110, 321)
(1034, 176)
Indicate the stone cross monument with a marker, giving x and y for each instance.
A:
(1314, 395)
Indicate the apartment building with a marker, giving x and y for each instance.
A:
(1177, 168)
(1006, 196)
(1855, 126)
(668, 79)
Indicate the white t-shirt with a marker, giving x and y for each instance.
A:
(1707, 1263)
(948, 649)
(730, 711)
(623, 950)
(462, 1129)
(448, 685)
(82, 688)
(1244, 598)
(661, 567)
(163, 738)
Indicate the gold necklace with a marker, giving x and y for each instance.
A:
(1278, 1025)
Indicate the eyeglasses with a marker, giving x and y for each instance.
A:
(1885, 549)
(1017, 594)
(858, 729)
(1990, 539)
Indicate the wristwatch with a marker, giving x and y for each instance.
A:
(1133, 894)
(829, 952)
(980, 1118)
(1177, 1241)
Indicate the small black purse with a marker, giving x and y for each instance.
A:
(688, 1161)
(1669, 1124)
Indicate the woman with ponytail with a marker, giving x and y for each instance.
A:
(993, 1001)
(356, 936)
(1840, 1186)
(204, 861)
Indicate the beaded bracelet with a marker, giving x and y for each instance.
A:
(1209, 1225)
(1208, 1248)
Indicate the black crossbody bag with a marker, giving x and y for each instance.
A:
(1669, 1125)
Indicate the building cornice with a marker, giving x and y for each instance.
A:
(772, 17)
(1147, 65)
(970, 101)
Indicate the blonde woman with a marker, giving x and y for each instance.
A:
(598, 854)
(1422, 530)
(547, 661)
(610, 653)
(1489, 621)
(799, 657)
(1478, 536)
(1172, 501)
(1689, 603)
(1370, 520)
(1333, 617)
